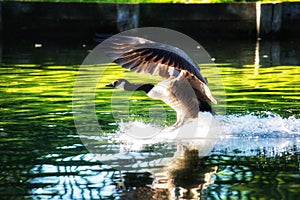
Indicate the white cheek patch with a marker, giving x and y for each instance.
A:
(121, 85)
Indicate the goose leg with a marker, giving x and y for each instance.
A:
(178, 123)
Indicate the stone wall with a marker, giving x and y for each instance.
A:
(80, 20)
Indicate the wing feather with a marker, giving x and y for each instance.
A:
(144, 56)
(120, 48)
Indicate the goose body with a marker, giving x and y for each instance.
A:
(184, 89)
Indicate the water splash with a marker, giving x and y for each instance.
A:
(201, 133)
(266, 134)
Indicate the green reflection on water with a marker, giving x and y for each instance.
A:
(32, 92)
(37, 128)
(254, 89)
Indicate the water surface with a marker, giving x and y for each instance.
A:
(43, 157)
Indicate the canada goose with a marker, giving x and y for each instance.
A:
(184, 88)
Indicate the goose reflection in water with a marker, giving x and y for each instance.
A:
(186, 177)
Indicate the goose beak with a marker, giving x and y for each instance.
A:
(109, 85)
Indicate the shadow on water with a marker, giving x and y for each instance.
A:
(43, 157)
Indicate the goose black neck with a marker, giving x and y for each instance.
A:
(138, 87)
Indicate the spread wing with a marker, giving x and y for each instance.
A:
(145, 56)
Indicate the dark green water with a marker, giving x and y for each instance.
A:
(42, 156)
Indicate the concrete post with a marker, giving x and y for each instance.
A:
(277, 17)
(270, 18)
(128, 16)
